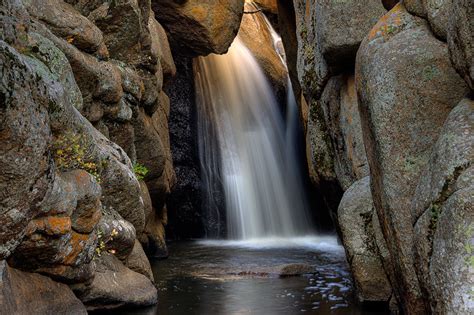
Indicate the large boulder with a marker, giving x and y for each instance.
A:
(66, 22)
(461, 38)
(25, 165)
(406, 87)
(197, 27)
(330, 33)
(61, 242)
(443, 216)
(29, 293)
(115, 285)
(356, 215)
(436, 12)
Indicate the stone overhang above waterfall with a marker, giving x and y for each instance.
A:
(199, 27)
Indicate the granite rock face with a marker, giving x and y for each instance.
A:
(356, 216)
(399, 134)
(399, 112)
(31, 293)
(74, 76)
(198, 27)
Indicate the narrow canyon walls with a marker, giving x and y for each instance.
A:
(377, 132)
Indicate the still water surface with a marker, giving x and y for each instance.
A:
(225, 277)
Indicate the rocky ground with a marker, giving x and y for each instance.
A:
(98, 141)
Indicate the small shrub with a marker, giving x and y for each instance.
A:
(140, 171)
(102, 241)
(70, 152)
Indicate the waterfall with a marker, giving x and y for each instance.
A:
(247, 148)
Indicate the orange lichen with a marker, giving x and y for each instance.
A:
(388, 23)
(77, 243)
(50, 225)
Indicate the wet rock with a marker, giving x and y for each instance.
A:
(29, 293)
(356, 214)
(292, 270)
(258, 39)
(200, 27)
(184, 202)
(153, 240)
(138, 261)
(460, 38)
(115, 285)
(401, 60)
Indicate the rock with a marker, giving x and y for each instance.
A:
(25, 166)
(138, 262)
(65, 22)
(163, 49)
(329, 34)
(63, 239)
(120, 188)
(287, 29)
(115, 285)
(153, 240)
(292, 270)
(355, 216)
(435, 11)
(341, 117)
(452, 269)
(341, 26)
(184, 202)
(445, 186)
(269, 6)
(313, 71)
(29, 293)
(200, 27)
(125, 29)
(460, 39)
(389, 4)
(150, 151)
(258, 39)
(401, 60)
(116, 235)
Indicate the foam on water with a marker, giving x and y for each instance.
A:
(310, 242)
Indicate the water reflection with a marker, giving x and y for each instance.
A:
(223, 278)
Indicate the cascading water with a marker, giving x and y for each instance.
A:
(247, 148)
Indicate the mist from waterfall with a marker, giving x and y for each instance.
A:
(247, 148)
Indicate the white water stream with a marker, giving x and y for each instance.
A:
(247, 148)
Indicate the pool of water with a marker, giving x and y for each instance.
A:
(225, 277)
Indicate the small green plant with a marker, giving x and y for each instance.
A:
(140, 171)
(70, 152)
(435, 211)
(102, 241)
